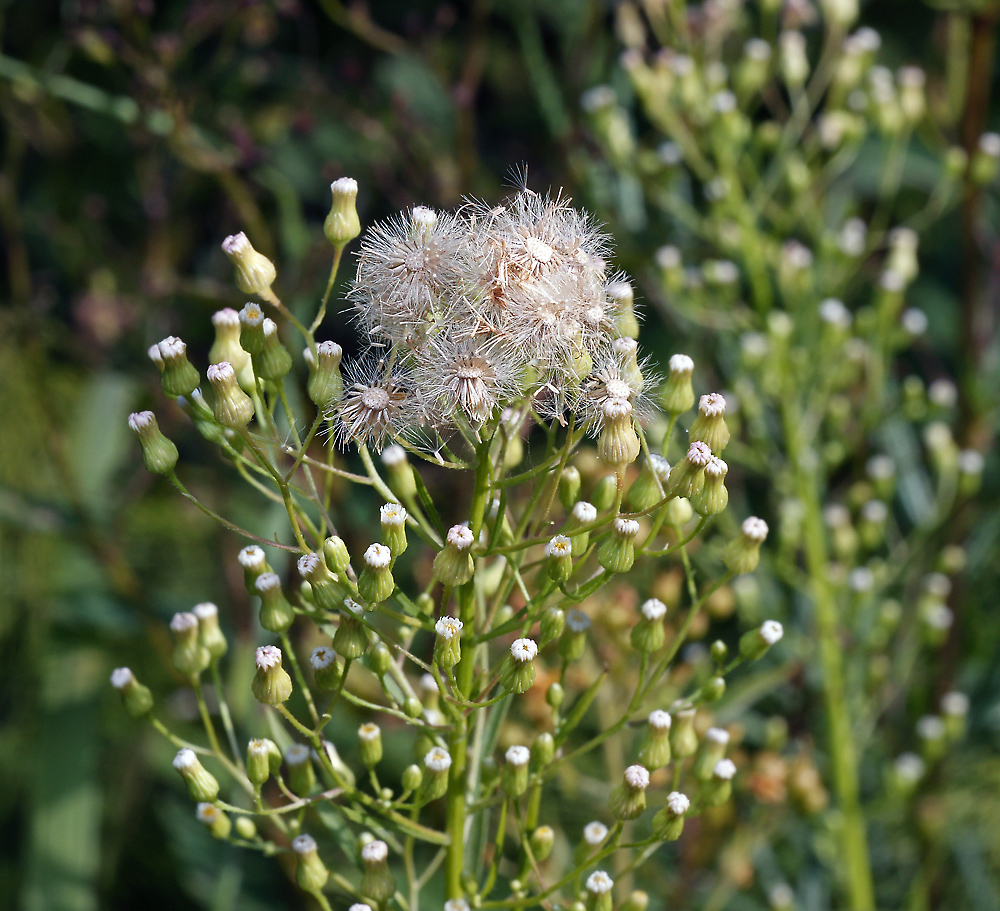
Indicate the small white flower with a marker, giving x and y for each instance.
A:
(303, 844)
(594, 833)
(717, 735)
(771, 631)
(517, 755)
(437, 759)
(559, 546)
(221, 374)
(914, 321)
(660, 720)
(360, 906)
(880, 468)
(268, 656)
(261, 748)
(375, 852)
(724, 769)
(207, 813)
(183, 621)
(755, 529)
(584, 512)
(392, 514)
(861, 580)
(699, 455)
(267, 582)
(122, 677)
(369, 731)
(668, 258)
(185, 759)
(251, 557)
(235, 244)
(678, 803)
(378, 556)
(939, 617)
(930, 727)
(460, 537)
(297, 754)
(989, 144)
(308, 565)
(172, 347)
(833, 312)
(523, 650)
(654, 609)
(636, 777)
(971, 461)
(875, 511)
(626, 528)
(599, 883)
(448, 627)
(393, 455)
(428, 684)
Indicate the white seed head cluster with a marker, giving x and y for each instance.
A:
(523, 650)
(474, 310)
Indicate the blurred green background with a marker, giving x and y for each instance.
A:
(136, 135)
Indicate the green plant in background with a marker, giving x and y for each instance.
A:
(497, 344)
(796, 176)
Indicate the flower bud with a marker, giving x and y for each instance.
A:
(226, 346)
(574, 638)
(190, 656)
(217, 823)
(687, 478)
(276, 613)
(582, 514)
(350, 641)
(617, 553)
(954, 711)
(326, 385)
(517, 674)
(271, 684)
(543, 750)
(201, 783)
(551, 626)
(985, 159)
(541, 842)
(370, 744)
(326, 593)
(637, 901)
(375, 583)
(233, 407)
(453, 564)
(793, 60)
(136, 698)
(514, 778)
(683, 738)
(342, 224)
(209, 632)
(393, 521)
(412, 778)
(970, 471)
(179, 376)
(617, 442)
(742, 554)
(655, 750)
(555, 695)
(301, 775)
(379, 659)
(255, 273)
(559, 553)
(448, 644)
(263, 760)
(648, 634)
(311, 873)
(252, 319)
(755, 643)
(436, 765)
(710, 425)
(159, 454)
(399, 471)
(678, 395)
(377, 881)
(273, 361)
(649, 488)
(713, 497)
(605, 493)
(669, 822)
(712, 749)
(719, 788)
(569, 487)
(628, 799)
(254, 564)
(599, 886)
(622, 298)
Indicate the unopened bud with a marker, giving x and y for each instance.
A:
(159, 454)
(271, 684)
(136, 698)
(342, 224)
(255, 273)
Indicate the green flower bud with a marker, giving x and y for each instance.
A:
(574, 638)
(425, 604)
(514, 778)
(326, 385)
(413, 708)
(555, 695)
(712, 749)
(276, 613)
(622, 299)
(436, 765)
(742, 554)
(714, 689)
(649, 488)
(599, 886)
(970, 472)
(582, 514)
(720, 652)
(617, 553)
(379, 659)
(755, 643)
(351, 639)
(559, 552)
(201, 783)
(233, 407)
(628, 799)
(263, 760)
(655, 750)
(541, 842)
(214, 820)
(342, 224)
(669, 822)
(179, 376)
(273, 361)
(209, 633)
(326, 667)
(605, 493)
(255, 273)
(552, 624)
(311, 873)
(399, 471)
(637, 901)
(687, 477)
(448, 644)
(245, 828)
(955, 711)
(189, 655)
(325, 592)
(683, 738)
(159, 454)
(251, 319)
(271, 684)
(393, 521)
(569, 487)
(517, 674)
(254, 564)
(985, 159)
(375, 583)
(412, 778)
(370, 744)
(377, 881)
(453, 564)
(343, 776)
(678, 512)
(678, 395)
(227, 345)
(617, 441)
(301, 775)
(710, 425)
(932, 734)
(543, 749)
(648, 634)
(719, 788)
(136, 698)
(713, 498)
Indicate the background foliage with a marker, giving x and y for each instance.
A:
(137, 135)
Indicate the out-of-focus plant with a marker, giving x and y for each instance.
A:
(797, 176)
(498, 342)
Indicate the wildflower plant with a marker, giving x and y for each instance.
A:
(499, 343)
(748, 134)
